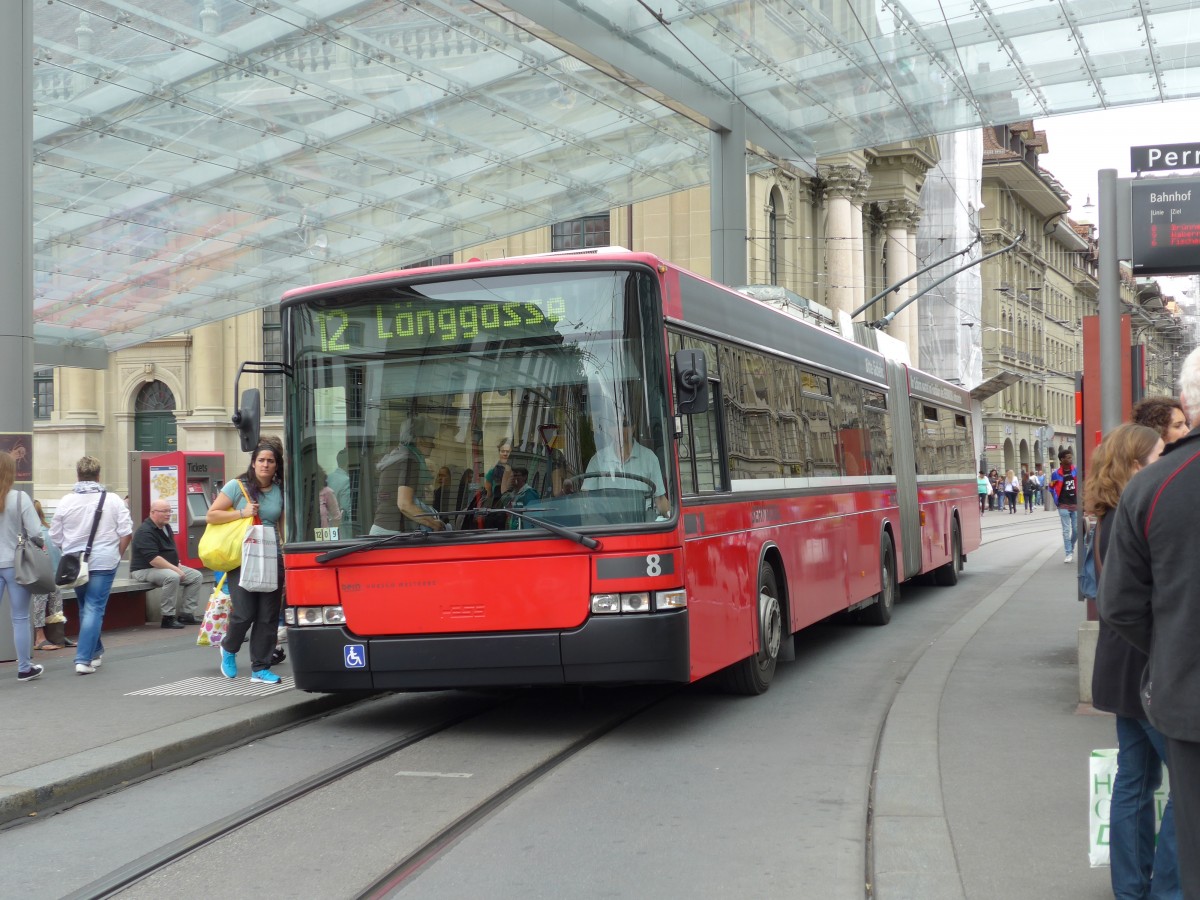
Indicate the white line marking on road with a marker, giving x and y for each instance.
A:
(212, 686)
(434, 774)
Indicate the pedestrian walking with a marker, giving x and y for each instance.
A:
(1011, 488)
(1148, 596)
(1027, 489)
(1066, 499)
(90, 516)
(985, 490)
(257, 492)
(16, 512)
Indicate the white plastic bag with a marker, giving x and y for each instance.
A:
(260, 552)
(1101, 775)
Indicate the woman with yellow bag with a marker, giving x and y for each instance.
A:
(257, 495)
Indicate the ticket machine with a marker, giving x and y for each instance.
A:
(189, 482)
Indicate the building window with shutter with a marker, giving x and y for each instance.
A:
(43, 393)
(272, 352)
(580, 234)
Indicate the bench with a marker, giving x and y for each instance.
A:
(130, 604)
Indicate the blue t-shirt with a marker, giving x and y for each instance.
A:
(270, 502)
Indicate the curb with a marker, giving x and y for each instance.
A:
(88, 773)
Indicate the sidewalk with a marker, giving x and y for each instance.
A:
(982, 780)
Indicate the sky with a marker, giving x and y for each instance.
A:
(1083, 144)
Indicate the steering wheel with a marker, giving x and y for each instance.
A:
(574, 480)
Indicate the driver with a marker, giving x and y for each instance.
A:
(624, 454)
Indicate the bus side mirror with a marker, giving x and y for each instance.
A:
(247, 419)
(691, 382)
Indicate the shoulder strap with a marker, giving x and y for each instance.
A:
(95, 524)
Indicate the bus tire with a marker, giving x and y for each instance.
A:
(947, 575)
(880, 612)
(752, 676)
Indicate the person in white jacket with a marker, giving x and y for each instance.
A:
(70, 529)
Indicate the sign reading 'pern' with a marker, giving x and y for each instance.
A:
(1162, 157)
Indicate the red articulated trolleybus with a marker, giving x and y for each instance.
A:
(594, 468)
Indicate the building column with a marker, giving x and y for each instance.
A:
(896, 215)
(843, 241)
(204, 417)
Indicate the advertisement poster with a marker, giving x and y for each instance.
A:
(164, 485)
(21, 448)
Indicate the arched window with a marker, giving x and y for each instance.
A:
(154, 397)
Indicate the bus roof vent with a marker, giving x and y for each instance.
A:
(586, 251)
(790, 302)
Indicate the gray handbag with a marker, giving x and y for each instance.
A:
(31, 563)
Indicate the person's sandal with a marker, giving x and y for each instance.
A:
(46, 645)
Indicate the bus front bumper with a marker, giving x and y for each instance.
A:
(604, 650)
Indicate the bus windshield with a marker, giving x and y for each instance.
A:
(437, 405)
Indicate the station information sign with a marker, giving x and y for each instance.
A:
(1166, 226)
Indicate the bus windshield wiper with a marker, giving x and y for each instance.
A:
(557, 530)
(398, 538)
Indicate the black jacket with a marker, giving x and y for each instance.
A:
(1150, 584)
(1117, 672)
(149, 541)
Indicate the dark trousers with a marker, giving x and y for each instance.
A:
(257, 613)
(1184, 757)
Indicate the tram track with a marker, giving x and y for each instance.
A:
(114, 882)
(160, 860)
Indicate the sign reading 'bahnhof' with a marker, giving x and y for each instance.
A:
(1166, 226)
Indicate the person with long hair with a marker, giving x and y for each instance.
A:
(1138, 866)
(257, 492)
(16, 510)
(1012, 487)
(71, 529)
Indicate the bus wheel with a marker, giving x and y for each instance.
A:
(880, 612)
(753, 675)
(947, 575)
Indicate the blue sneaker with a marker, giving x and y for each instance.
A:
(228, 663)
(265, 676)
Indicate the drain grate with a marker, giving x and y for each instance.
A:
(212, 686)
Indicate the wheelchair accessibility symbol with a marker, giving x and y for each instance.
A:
(355, 656)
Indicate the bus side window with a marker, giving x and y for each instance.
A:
(700, 468)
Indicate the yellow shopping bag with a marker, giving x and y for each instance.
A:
(221, 545)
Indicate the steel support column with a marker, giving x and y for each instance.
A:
(1109, 307)
(728, 202)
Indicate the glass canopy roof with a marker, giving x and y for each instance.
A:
(194, 159)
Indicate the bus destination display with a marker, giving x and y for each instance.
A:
(1166, 226)
(408, 324)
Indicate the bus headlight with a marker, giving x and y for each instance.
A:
(670, 599)
(318, 615)
(606, 603)
(289, 616)
(635, 603)
(639, 602)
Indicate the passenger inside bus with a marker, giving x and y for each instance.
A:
(403, 502)
(622, 455)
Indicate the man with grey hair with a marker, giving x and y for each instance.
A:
(154, 560)
(1148, 596)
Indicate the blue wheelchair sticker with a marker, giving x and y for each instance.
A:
(355, 656)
